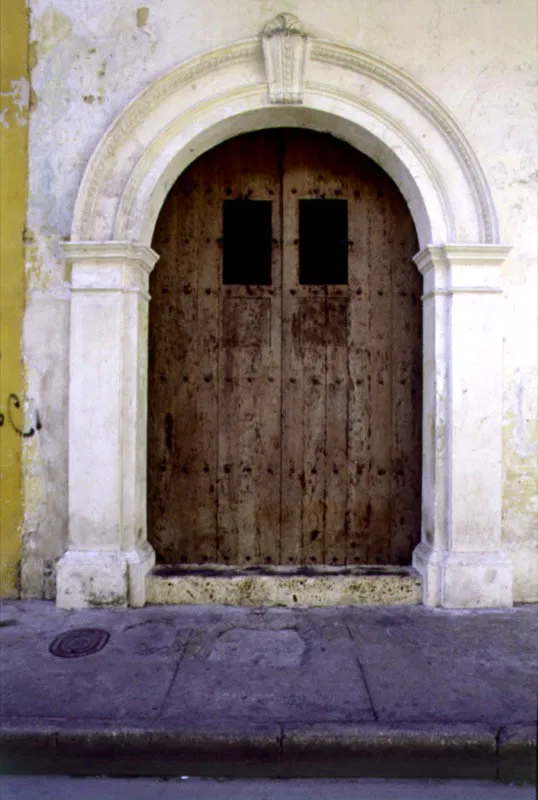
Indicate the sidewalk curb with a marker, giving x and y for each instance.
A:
(172, 748)
(518, 753)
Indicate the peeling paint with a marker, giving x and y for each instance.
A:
(18, 103)
(37, 258)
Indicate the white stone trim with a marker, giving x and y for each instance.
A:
(460, 556)
(107, 426)
(387, 115)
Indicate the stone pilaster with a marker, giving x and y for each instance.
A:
(108, 554)
(460, 556)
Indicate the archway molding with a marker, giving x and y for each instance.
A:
(381, 111)
(352, 94)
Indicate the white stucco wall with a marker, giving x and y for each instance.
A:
(90, 60)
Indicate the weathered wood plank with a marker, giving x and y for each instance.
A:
(360, 405)
(292, 430)
(406, 387)
(249, 399)
(336, 425)
(182, 371)
(304, 370)
(207, 348)
(159, 459)
(313, 351)
(268, 444)
(228, 480)
(380, 343)
(359, 388)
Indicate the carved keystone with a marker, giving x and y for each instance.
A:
(285, 48)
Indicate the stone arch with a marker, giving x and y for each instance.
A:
(286, 80)
(359, 97)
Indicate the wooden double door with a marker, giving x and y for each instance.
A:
(285, 360)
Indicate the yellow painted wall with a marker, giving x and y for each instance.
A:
(14, 100)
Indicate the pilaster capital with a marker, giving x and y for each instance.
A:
(110, 252)
(109, 266)
(461, 268)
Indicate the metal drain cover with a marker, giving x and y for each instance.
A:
(79, 642)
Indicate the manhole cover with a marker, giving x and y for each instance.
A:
(79, 642)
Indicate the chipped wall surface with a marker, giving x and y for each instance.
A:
(14, 112)
(90, 60)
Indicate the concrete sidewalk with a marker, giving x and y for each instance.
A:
(225, 691)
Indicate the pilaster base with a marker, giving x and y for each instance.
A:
(464, 579)
(88, 579)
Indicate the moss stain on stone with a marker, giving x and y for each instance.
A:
(520, 470)
(33, 55)
(33, 100)
(142, 16)
(244, 589)
(49, 30)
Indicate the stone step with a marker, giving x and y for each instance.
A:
(284, 586)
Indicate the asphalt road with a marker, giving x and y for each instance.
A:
(65, 788)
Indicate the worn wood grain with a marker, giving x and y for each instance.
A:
(336, 436)
(380, 376)
(359, 365)
(406, 461)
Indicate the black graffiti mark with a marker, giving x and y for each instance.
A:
(14, 402)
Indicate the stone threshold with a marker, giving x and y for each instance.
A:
(307, 586)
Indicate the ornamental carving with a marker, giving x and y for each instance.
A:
(285, 48)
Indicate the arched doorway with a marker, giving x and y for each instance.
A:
(382, 112)
(285, 351)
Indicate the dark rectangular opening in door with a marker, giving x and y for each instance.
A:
(247, 242)
(323, 242)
